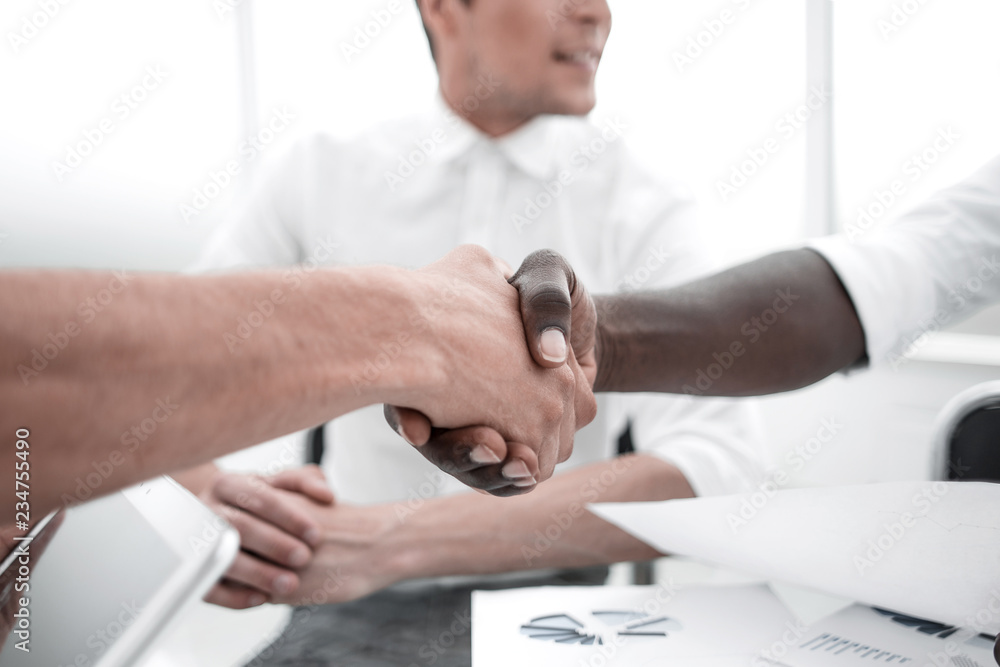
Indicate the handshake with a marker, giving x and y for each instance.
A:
(509, 375)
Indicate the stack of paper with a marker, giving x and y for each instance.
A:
(930, 549)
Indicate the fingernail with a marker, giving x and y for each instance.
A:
(483, 455)
(284, 583)
(553, 345)
(312, 537)
(524, 483)
(402, 434)
(256, 600)
(299, 557)
(516, 470)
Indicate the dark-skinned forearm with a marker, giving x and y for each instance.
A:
(774, 324)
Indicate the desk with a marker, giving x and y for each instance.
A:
(396, 627)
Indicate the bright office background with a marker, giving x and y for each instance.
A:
(902, 71)
(696, 120)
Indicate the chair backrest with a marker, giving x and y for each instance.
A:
(967, 436)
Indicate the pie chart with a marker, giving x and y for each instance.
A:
(599, 627)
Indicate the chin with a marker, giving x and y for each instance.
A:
(574, 105)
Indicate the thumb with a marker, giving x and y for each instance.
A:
(308, 480)
(545, 282)
(411, 425)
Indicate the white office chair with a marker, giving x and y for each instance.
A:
(966, 444)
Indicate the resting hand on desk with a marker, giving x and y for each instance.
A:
(363, 549)
(277, 536)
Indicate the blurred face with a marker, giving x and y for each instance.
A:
(541, 55)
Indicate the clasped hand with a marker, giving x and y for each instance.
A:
(526, 391)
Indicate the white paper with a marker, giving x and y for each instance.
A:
(860, 636)
(929, 549)
(704, 626)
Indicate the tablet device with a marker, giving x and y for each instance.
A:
(98, 582)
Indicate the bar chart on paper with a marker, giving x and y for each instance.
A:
(861, 635)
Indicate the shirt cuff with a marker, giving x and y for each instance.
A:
(886, 296)
(710, 470)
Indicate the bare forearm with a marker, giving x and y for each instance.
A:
(136, 376)
(548, 528)
(198, 479)
(771, 325)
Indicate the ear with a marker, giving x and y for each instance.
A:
(440, 16)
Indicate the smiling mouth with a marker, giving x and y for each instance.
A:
(586, 58)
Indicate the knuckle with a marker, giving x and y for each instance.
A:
(549, 299)
(552, 409)
(589, 410)
(279, 549)
(566, 451)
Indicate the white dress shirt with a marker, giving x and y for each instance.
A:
(408, 192)
(935, 266)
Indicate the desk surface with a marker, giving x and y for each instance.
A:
(428, 626)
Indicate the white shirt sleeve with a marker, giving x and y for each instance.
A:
(717, 443)
(264, 227)
(935, 266)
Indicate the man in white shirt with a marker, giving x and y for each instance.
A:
(492, 165)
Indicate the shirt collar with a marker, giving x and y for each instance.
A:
(531, 147)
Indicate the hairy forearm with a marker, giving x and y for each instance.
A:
(548, 528)
(775, 324)
(119, 379)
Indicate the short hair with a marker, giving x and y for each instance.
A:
(430, 40)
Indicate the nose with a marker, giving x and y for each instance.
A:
(594, 12)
